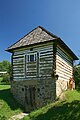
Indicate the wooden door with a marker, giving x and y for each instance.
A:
(29, 98)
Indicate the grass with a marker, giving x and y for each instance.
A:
(69, 109)
(8, 105)
(0, 79)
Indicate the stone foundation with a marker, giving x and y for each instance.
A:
(45, 92)
(61, 86)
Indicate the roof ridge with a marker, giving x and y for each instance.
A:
(48, 32)
(51, 34)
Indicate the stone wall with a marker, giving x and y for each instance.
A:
(61, 86)
(45, 92)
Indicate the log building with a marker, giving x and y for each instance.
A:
(42, 65)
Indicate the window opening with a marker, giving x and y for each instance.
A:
(32, 57)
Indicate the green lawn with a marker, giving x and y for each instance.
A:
(69, 109)
(8, 106)
(0, 79)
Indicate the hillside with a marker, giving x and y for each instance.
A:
(69, 109)
(8, 106)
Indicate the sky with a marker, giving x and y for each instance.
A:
(18, 17)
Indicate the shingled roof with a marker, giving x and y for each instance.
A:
(37, 36)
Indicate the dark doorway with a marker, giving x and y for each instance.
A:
(29, 98)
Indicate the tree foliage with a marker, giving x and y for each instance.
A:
(77, 76)
(6, 66)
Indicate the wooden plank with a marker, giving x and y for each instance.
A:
(58, 58)
(46, 62)
(46, 59)
(69, 63)
(42, 75)
(35, 47)
(31, 68)
(63, 73)
(63, 66)
(64, 69)
(18, 56)
(31, 63)
(18, 74)
(64, 76)
(28, 70)
(19, 66)
(18, 71)
(30, 74)
(18, 60)
(62, 53)
(65, 52)
(17, 77)
(45, 67)
(18, 63)
(64, 56)
(44, 48)
(46, 53)
(46, 56)
(16, 68)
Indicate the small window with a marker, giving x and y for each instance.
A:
(31, 57)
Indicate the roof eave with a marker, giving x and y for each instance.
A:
(61, 43)
(12, 50)
(57, 40)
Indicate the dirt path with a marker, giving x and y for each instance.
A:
(18, 117)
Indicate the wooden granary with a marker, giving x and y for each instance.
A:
(42, 65)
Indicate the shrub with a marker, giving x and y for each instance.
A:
(3, 118)
(6, 78)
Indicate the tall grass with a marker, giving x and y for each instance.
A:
(8, 105)
(68, 109)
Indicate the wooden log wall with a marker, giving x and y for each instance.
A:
(42, 67)
(18, 66)
(31, 68)
(46, 62)
(64, 65)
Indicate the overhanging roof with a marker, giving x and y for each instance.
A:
(37, 36)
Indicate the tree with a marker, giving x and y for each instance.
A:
(77, 76)
(6, 66)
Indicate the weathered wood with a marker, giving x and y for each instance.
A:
(18, 66)
(46, 56)
(47, 53)
(64, 68)
(46, 62)
(63, 65)
(61, 61)
(64, 56)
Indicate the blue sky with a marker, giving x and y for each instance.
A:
(18, 17)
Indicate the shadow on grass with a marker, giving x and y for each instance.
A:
(64, 111)
(4, 83)
(8, 98)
